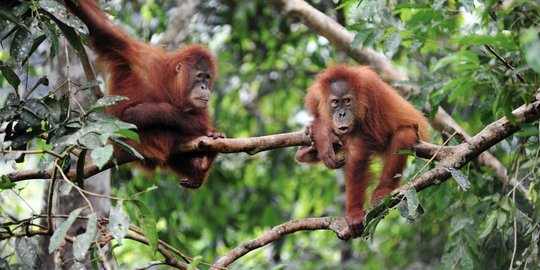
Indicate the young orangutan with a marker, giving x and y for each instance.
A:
(358, 114)
(168, 93)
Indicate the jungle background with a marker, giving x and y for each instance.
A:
(476, 60)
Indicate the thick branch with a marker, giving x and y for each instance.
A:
(469, 150)
(325, 26)
(248, 145)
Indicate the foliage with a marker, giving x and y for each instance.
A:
(478, 61)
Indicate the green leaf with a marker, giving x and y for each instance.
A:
(195, 262)
(361, 37)
(101, 155)
(22, 42)
(106, 101)
(6, 27)
(52, 36)
(488, 225)
(55, 110)
(30, 119)
(70, 35)
(35, 45)
(8, 114)
(91, 140)
(410, 207)
(460, 178)
(60, 12)
(57, 239)
(118, 223)
(128, 133)
(525, 132)
(26, 248)
(13, 15)
(123, 125)
(369, 230)
(463, 87)
(94, 258)
(500, 41)
(37, 108)
(83, 241)
(13, 99)
(128, 148)
(43, 80)
(10, 76)
(148, 223)
(5, 183)
(374, 216)
(458, 60)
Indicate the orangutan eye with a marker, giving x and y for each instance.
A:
(178, 68)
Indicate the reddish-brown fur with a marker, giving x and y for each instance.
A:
(158, 90)
(384, 124)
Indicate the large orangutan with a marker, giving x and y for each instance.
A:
(168, 93)
(357, 114)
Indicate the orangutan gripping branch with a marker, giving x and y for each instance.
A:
(357, 114)
(168, 93)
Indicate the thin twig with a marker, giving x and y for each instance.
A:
(434, 155)
(50, 197)
(33, 152)
(515, 220)
(151, 264)
(64, 177)
(169, 258)
(504, 62)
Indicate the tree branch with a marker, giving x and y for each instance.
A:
(250, 146)
(335, 224)
(456, 158)
(325, 26)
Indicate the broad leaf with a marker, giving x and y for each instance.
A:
(410, 208)
(10, 76)
(22, 42)
(26, 248)
(83, 241)
(460, 178)
(60, 12)
(101, 155)
(106, 101)
(118, 223)
(148, 223)
(57, 239)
